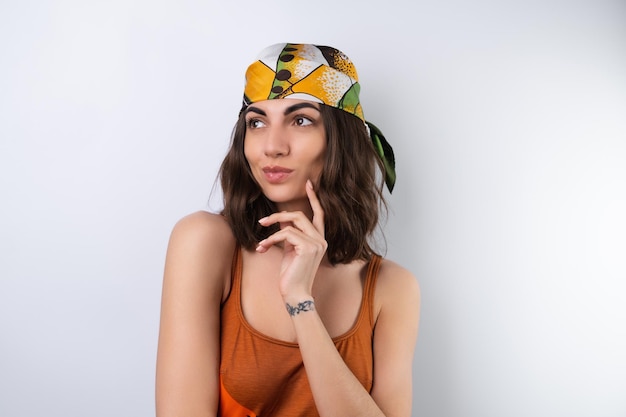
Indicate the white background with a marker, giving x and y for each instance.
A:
(509, 123)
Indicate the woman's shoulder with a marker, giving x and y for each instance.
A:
(203, 233)
(200, 252)
(396, 284)
(204, 228)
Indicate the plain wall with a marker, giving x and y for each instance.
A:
(509, 123)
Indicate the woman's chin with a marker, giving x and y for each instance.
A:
(287, 201)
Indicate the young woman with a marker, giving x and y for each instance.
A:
(279, 306)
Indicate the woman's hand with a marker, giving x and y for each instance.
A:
(304, 247)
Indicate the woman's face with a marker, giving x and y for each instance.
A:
(284, 145)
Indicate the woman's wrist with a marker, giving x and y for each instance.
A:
(300, 307)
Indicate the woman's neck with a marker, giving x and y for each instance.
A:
(303, 206)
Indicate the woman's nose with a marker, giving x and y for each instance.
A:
(276, 143)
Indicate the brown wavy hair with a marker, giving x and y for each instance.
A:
(349, 189)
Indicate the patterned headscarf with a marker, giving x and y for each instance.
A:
(321, 74)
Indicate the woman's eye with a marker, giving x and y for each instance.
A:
(254, 123)
(303, 121)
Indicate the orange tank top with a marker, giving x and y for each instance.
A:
(261, 376)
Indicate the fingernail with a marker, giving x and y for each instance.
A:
(262, 220)
(309, 184)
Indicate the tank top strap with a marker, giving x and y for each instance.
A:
(235, 277)
(370, 285)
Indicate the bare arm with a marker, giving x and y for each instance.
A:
(398, 296)
(196, 275)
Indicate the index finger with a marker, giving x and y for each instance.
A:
(318, 212)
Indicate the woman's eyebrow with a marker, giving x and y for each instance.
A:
(299, 106)
(255, 110)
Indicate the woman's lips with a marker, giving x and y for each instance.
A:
(275, 175)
